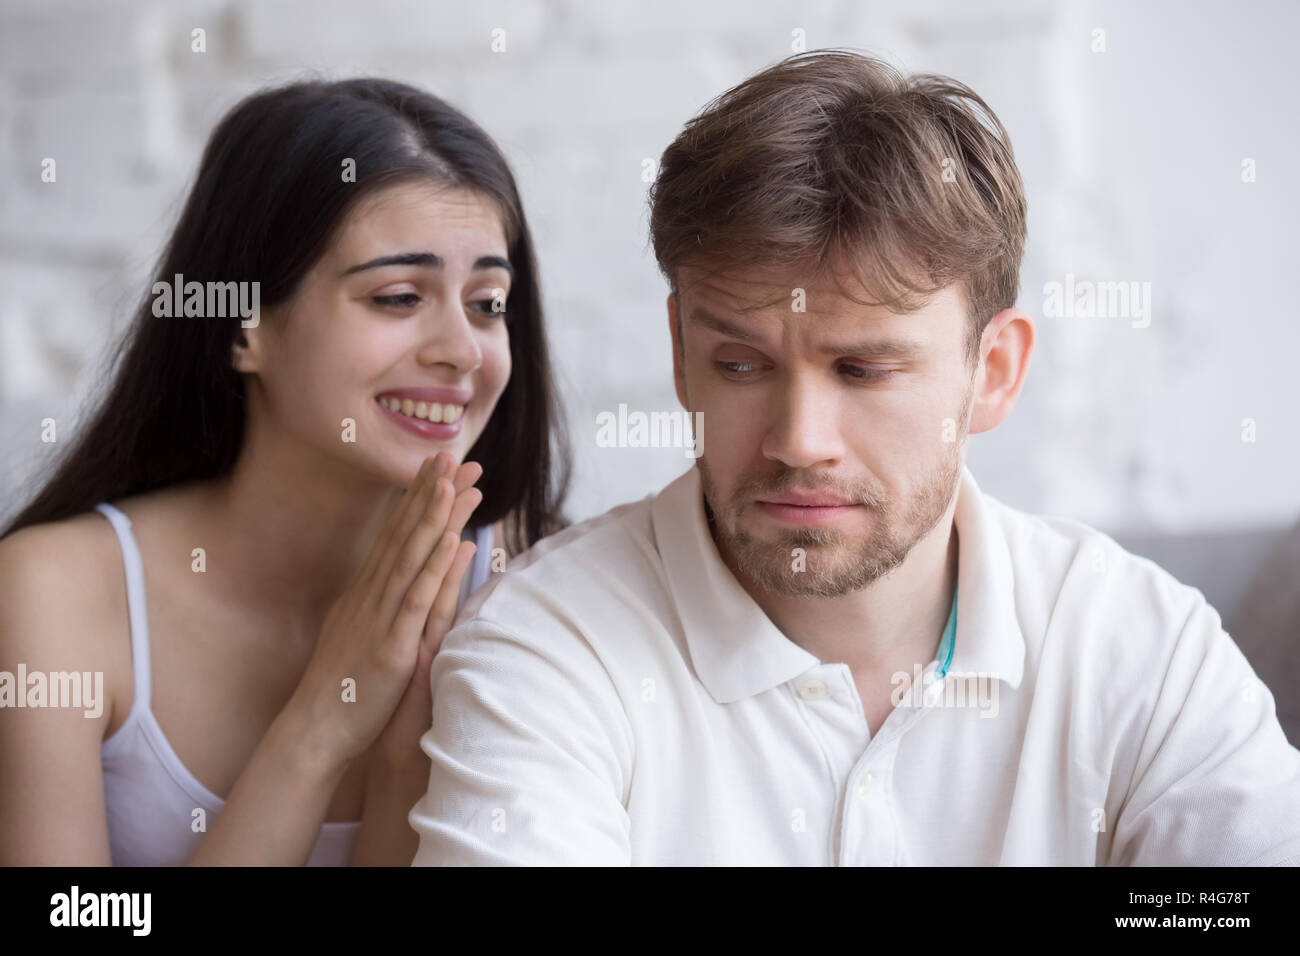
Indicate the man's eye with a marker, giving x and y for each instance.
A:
(738, 368)
(865, 373)
(404, 300)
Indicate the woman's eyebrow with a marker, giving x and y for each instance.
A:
(429, 260)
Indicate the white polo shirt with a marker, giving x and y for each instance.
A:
(617, 698)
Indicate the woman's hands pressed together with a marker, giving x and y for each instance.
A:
(397, 750)
(368, 680)
(364, 692)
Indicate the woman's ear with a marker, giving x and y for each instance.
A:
(247, 350)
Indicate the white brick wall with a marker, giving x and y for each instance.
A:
(1130, 157)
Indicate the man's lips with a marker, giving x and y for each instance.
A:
(807, 499)
(796, 507)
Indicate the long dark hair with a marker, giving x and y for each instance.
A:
(269, 195)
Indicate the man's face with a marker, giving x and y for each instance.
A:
(835, 434)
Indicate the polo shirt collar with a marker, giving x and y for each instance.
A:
(738, 652)
(989, 639)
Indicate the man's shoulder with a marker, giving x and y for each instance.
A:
(1092, 582)
(576, 617)
(1068, 539)
(610, 556)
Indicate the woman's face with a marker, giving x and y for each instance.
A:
(395, 346)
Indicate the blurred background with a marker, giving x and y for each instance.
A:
(1152, 137)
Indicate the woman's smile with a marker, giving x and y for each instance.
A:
(428, 419)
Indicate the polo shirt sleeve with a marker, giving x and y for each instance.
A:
(1216, 782)
(530, 750)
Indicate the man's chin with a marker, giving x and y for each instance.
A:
(760, 533)
(786, 582)
(802, 563)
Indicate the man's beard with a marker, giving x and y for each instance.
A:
(833, 563)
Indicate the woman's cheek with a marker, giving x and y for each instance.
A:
(500, 366)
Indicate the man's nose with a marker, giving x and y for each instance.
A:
(805, 430)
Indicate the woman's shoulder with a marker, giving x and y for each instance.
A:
(58, 562)
(63, 599)
(71, 571)
(46, 554)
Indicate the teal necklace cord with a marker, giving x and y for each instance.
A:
(949, 641)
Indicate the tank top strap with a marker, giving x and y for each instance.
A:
(480, 566)
(481, 563)
(136, 608)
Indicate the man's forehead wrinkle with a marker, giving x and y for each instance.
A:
(780, 301)
(820, 313)
(824, 292)
(718, 301)
(772, 303)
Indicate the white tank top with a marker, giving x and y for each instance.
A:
(150, 796)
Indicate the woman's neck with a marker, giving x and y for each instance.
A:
(289, 528)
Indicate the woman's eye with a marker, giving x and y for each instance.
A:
(486, 306)
(404, 300)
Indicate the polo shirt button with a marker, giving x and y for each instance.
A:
(864, 785)
(812, 689)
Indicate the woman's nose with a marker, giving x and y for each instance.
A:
(451, 340)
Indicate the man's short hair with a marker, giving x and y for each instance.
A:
(831, 160)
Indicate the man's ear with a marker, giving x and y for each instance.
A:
(679, 360)
(1005, 348)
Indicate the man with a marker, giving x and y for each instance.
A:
(824, 644)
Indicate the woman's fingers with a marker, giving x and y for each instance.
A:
(369, 566)
(442, 514)
(446, 516)
(413, 611)
(468, 473)
(420, 586)
(399, 741)
(375, 632)
(462, 508)
(422, 498)
(443, 611)
(413, 501)
(411, 555)
(402, 519)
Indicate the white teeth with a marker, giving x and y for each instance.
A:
(430, 411)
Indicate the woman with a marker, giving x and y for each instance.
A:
(250, 464)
